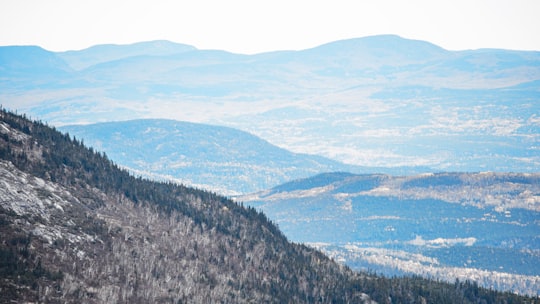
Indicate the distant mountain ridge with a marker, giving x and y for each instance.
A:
(380, 101)
(21, 61)
(82, 59)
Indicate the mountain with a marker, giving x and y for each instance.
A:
(30, 63)
(448, 226)
(82, 59)
(372, 52)
(221, 159)
(380, 101)
(76, 228)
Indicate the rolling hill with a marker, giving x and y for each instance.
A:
(380, 101)
(220, 159)
(479, 226)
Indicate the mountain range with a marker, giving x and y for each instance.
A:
(395, 114)
(77, 228)
(380, 101)
(448, 226)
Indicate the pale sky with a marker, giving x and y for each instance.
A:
(251, 26)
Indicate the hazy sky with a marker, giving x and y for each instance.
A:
(252, 26)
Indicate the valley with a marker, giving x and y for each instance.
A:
(446, 226)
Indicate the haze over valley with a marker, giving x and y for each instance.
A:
(380, 101)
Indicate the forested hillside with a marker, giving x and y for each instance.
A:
(477, 226)
(76, 228)
(216, 158)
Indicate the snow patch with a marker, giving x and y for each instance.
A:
(442, 242)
